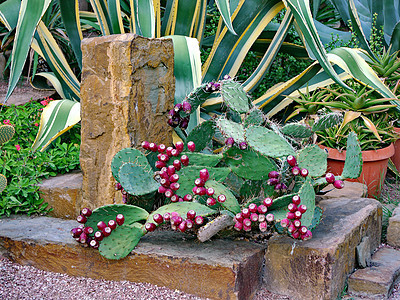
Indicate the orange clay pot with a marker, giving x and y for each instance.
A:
(374, 167)
(396, 157)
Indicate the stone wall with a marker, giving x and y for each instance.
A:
(127, 89)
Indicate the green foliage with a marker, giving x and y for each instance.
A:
(297, 130)
(136, 180)
(234, 96)
(231, 202)
(307, 196)
(25, 168)
(201, 135)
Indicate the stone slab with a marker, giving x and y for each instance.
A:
(317, 268)
(63, 193)
(350, 190)
(393, 231)
(219, 269)
(377, 281)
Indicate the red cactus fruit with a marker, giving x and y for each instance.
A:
(146, 145)
(210, 191)
(297, 214)
(189, 224)
(150, 227)
(191, 146)
(291, 160)
(88, 230)
(161, 148)
(247, 222)
(106, 231)
(182, 226)
(221, 198)
(302, 208)
(204, 174)
(167, 217)
(98, 235)
(245, 213)
(292, 207)
(304, 172)
(87, 212)
(270, 217)
(175, 198)
(177, 164)
(199, 220)
(296, 199)
(81, 219)
(238, 226)
(296, 170)
(330, 177)
(262, 209)
(101, 225)
(153, 147)
(273, 174)
(253, 207)
(185, 160)
(254, 217)
(339, 184)
(239, 218)
(191, 214)
(120, 219)
(290, 215)
(285, 223)
(297, 223)
(263, 226)
(267, 202)
(76, 232)
(188, 197)
(211, 201)
(296, 234)
(158, 218)
(199, 182)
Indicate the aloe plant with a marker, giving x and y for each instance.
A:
(264, 180)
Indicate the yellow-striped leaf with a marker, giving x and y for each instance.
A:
(57, 117)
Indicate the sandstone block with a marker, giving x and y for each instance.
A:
(219, 269)
(127, 89)
(393, 231)
(350, 190)
(63, 193)
(377, 281)
(317, 268)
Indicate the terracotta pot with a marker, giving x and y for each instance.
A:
(374, 167)
(396, 157)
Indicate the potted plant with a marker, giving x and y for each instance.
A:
(364, 112)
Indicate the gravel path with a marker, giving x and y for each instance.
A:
(26, 282)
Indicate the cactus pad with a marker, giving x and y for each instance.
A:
(201, 135)
(136, 180)
(251, 189)
(3, 183)
(231, 202)
(317, 218)
(234, 96)
(197, 97)
(307, 196)
(296, 130)
(201, 159)
(314, 159)
(268, 142)
(128, 155)
(231, 129)
(249, 164)
(188, 175)
(353, 163)
(327, 121)
(281, 202)
(121, 241)
(254, 117)
(106, 213)
(6, 133)
(182, 208)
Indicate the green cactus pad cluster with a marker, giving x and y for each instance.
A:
(327, 121)
(234, 96)
(353, 163)
(182, 208)
(254, 117)
(106, 213)
(121, 241)
(6, 133)
(231, 202)
(231, 129)
(188, 175)
(314, 159)
(281, 202)
(136, 180)
(268, 142)
(249, 164)
(128, 155)
(3, 183)
(202, 135)
(296, 130)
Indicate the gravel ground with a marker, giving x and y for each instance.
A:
(26, 282)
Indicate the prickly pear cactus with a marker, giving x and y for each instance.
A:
(231, 202)
(254, 117)
(6, 133)
(128, 155)
(237, 170)
(353, 164)
(106, 213)
(231, 129)
(122, 241)
(296, 130)
(249, 164)
(235, 97)
(202, 135)
(268, 142)
(314, 159)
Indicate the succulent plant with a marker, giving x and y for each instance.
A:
(259, 176)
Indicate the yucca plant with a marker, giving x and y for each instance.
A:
(240, 25)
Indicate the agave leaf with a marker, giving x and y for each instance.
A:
(371, 127)
(29, 16)
(57, 117)
(348, 117)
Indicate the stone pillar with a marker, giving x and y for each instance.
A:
(127, 89)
